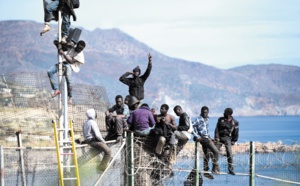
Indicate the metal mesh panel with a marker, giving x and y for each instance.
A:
(27, 106)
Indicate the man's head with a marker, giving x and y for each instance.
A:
(119, 100)
(204, 112)
(164, 109)
(178, 110)
(145, 105)
(228, 112)
(127, 99)
(80, 46)
(136, 71)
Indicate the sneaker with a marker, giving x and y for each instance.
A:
(231, 172)
(64, 40)
(209, 176)
(46, 29)
(56, 93)
(70, 101)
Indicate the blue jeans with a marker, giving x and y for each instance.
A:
(142, 132)
(49, 7)
(68, 74)
(65, 26)
(52, 5)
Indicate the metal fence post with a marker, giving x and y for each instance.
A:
(21, 157)
(2, 165)
(130, 157)
(196, 164)
(252, 164)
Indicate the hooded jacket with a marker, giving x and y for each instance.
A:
(90, 128)
(136, 84)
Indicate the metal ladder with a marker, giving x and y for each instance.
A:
(64, 150)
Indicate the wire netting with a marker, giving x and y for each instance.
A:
(27, 106)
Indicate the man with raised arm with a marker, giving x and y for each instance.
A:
(136, 82)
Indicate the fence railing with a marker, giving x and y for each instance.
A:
(252, 167)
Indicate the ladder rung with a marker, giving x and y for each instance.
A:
(63, 129)
(66, 153)
(66, 147)
(70, 178)
(69, 166)
(65, 141)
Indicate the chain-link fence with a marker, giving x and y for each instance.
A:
(27, 107)
(40, 166)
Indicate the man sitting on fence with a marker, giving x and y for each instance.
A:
(93, 137)
(141, 120)
(227, 133)
(115, 118)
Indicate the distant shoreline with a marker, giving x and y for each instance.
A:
(240, 148)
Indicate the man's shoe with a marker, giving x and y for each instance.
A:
(56, 93)
(46, 29)
(64, 40)
(215, 172)
(231, 172)
(209, 176)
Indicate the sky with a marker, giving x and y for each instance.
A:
(220, 33)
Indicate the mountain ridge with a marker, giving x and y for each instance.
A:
(250, 90)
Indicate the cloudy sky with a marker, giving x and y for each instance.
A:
(221, 33)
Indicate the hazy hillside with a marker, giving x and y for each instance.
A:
(249, 90)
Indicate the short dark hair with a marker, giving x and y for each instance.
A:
(165, 106)
(81, 42)
(228, 111)
(145, 105)
(204, 108)
(118, 96)
(177, 106)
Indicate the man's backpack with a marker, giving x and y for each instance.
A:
(75, 3)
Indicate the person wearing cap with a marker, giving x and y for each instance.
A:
(227, 134)
(136, 82)
(115, 119)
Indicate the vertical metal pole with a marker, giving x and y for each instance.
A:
(252, 164)
(196, 164)
(2, 165)
(60, 78)
(60, 109)
(65, 99)
(21, 157)
(130, 157)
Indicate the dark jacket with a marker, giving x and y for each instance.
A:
(225, 128)
(136, 85)
(184, 122)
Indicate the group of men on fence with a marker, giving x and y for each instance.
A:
(132, 114)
